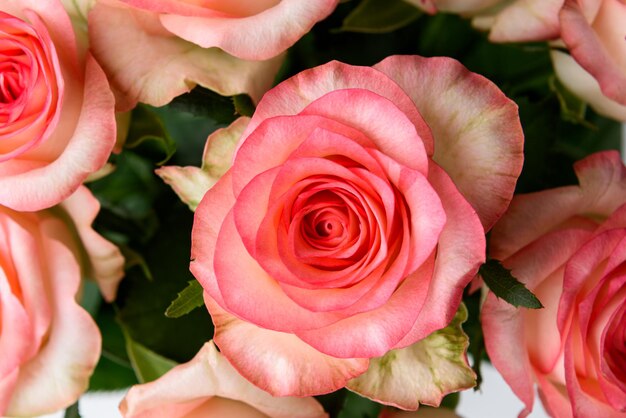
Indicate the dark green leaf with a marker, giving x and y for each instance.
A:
(380, 16)
(573, 109)
(502, 283)
(147, 364)
(188, 299)
(148, 135)
(72, 411)
(206, 103)
(356, 406)
(243, 105)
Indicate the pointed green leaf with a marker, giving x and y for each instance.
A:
(422, 373)
(380, 16)
(505, 286)
(147, 364)
(72, 411)
(148, 132)
(188, 299)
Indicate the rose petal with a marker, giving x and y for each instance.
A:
(279, 363)
(472, 121)
(168, 66)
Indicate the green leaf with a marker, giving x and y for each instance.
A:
(502, 283)
(243, 105)
(355, 406)
(148, 135)
(72, 411)
(147, 364)
(573, 109)
(206, 103)
(380, 16)
(188, 299)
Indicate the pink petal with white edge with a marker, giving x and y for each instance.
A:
(294, 94)
(105, 262)
(460, 252)
(73, 348)
(422, 373)
(472, 121)
(209, 376)
(583, 85)
(168, 66)
(279, 363)
(602, 178)
(86, 152)
(527, 20)
(600, 49)
(258, 37)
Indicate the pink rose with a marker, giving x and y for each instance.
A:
(208, 386)
(57, 121)
(350, 220)
(594, 32)
(568, 246)
(154, 50)
(49, 345)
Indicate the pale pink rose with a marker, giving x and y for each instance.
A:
(568, 245)
(57, 122)
(594, 32)
(49, 345)
(155, 50)
(208, 386)
(352, 218)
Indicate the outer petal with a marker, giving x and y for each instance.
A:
(291, 96)
(72, 349)
(42, 186)
(168, 66)
(602, 189)
(209, 375)
(257, 37)
(422, 373)
(279, 363)
(472, 121)
(105, 262)
(191, 183)
(604, 59)
(527, 20)
(582, 84)
(461, 251)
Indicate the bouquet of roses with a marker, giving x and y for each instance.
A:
(307, 209)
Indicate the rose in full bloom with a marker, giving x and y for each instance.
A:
(155, 50)
(568, 246)
(57, 121)
(351, 218)
(49, 345)
(208, 386)
(594, 33)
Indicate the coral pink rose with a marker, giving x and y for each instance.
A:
(49, 345)
(350, 220)
(208, 386)
(594, 32)
(568, 245)
(154, 50)
(57, 122)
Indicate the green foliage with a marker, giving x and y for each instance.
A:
(355, 406)
(72, 411)
(380, 16)
(147, 364)
(147, 131)
(502, 283)
(243, 105)
(187, 300)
